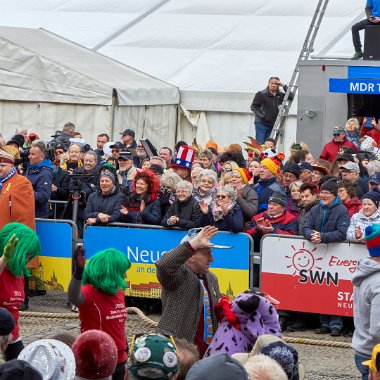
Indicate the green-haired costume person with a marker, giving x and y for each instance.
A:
(18, 245)
(98, 291)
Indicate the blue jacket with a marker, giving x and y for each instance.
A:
(41, 178)
(232, 222)
(331, 221)
(264, 190)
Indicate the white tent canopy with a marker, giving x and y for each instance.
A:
(38, 66)
(218, 52)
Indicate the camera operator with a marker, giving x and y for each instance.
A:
(40, 174)
(84, 180)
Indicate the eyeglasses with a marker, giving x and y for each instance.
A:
(220, 196)
(226, 170)
(182, 191)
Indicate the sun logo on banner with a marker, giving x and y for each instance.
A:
(303, 259)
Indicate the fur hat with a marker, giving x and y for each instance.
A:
(7, 322)
(373, 195)
(52, 358)
(13, 151)
(372, 239)
(19, 370)
(95, 354)
(331, 185)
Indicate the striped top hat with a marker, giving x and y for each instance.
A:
(185, 157)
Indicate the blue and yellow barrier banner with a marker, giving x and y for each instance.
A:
(53, 271)
(145, 246)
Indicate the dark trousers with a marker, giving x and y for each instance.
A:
(119, 372)
(13, 350)
(355, 32)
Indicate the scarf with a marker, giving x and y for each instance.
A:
(9, 175)
(217, 211)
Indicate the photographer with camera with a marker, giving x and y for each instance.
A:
(83, 182)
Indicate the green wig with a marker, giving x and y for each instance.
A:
(28, 247)
(106, 271)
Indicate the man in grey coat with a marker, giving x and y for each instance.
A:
(366, 281)
(189, 290)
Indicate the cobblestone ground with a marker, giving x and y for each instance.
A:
(321, 362)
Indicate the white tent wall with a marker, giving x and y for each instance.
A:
(45, 118)
(156, 123)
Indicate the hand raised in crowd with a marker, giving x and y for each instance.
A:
(204, 206)
(10, 247)
(54, 188)
(79, 258)
(203, 237)
(224, 208)
(142, 206)
(359, 234)
(103, 217)
(124, 210)
(264, 226)
(238, 189)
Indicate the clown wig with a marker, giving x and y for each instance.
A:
(106, 271)
(152, 180)
(28, 247)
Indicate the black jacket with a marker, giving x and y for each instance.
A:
(265, 106)
(109, 204)
(188, 212)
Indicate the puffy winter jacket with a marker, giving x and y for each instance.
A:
(150, 215)
(362, 221)
(264, 190)
(331, 149)
(109, 204)
(353, 206)
(331, 221)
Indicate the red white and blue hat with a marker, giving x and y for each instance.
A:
(372, 240)
(185, 157)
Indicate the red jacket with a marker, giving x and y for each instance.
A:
(373, 132)
(353, 206)
(331, 149)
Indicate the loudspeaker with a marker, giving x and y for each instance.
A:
(372, 43)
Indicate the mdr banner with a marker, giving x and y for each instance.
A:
(145, 246)
(310, 278)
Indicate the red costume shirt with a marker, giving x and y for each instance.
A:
(12, 296)
(105, 312)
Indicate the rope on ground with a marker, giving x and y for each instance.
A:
(152, 323)
(317, 342)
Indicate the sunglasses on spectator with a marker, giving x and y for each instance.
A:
(59, 152)
(221, 196)
(226, 170)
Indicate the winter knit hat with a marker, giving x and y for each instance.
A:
(331, 185)
(278, 197)
(108, 174)
(293, 168)
(373, 195)
(272, 164)
(95, 355)
(284, 355)
(7, 322)
(372, 240)
(245, 174)
(19, 370)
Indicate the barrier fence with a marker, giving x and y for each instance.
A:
(310, 278)
(144, 245)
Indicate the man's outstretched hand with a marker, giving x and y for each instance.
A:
(202, 240)
(10, 247)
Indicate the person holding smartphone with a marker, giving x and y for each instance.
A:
(372, 11)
